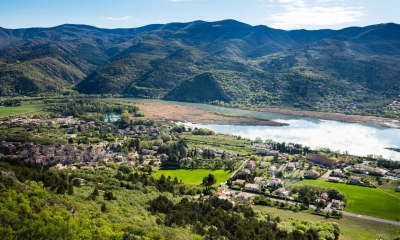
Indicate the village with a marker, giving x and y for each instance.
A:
(267, 172)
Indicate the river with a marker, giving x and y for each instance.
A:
(356, 138)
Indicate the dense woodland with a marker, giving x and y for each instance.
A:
(43, 203)
(353, 70)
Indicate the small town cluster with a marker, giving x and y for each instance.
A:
(270, 170)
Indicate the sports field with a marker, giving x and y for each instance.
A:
(364, 200)
(195, 176)
(24, 109)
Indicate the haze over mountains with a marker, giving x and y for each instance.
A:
(205, 61)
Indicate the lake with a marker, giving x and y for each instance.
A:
(356, 138)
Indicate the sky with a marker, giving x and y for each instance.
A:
(281, 14)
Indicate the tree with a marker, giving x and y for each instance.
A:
(320, 204)
(209, 180)
(61, 189)
(306, 201)
(212, 233)
(70, 189)
(258, 140)
(327, 214)
(76, 182)
(103, 207)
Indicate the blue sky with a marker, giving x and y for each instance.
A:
(283, 14)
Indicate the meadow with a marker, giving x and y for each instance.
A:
(219, 141)
(24, 109)
(364, 200)
(195, 176)
(350, 227)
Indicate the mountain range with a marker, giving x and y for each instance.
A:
(202, 61)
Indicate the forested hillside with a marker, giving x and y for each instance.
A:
(354, 68)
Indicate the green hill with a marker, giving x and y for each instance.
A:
(353, 68)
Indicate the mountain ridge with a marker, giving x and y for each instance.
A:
(253, 65)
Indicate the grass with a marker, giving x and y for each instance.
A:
(195, 176)
(363, 200)
(24, 109)
(219, 141)
(351, 227)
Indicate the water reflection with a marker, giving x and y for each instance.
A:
(358, 139)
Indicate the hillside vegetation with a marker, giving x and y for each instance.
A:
(353, 70)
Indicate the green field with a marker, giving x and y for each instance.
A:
(195, 176)
(364, 200)
(350, 227)
(219, 141)
(24, 109)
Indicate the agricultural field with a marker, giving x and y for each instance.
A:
(195, 176)
(351, 227)
(24, 109)
(364, 200)
(219, 141)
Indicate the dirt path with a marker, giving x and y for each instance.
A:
(159, 111)
(326, 175)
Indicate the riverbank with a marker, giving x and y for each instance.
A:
(385, 122)
(159, 111)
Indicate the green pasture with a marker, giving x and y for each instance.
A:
(24, 109)
(219, 141)
(350, 227)
(364, 200)
(195, 176)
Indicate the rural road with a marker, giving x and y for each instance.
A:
(241, 166)
(370, 218)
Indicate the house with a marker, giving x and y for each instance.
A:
(272, 170)
(252, 187)
(324, 196)
(281, 192)
(290, 167)
(250, 165)
(275, 182)
(71, 167)
(140, 168)
(258, 179)
(321, 159)
(186, 160)
(92, 164)
(312, 173)
(243, 197)
(245, 172)
(239, 182)
(59, 166)
(290, 145)
(263, 165)
(338, 173)
(157, 163)
(355, 180)
(337, 204)
(334, 179)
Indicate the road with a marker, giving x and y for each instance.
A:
(241, 166)
(370, 218)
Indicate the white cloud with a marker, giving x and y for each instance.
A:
(118, 19)
(303, 14)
